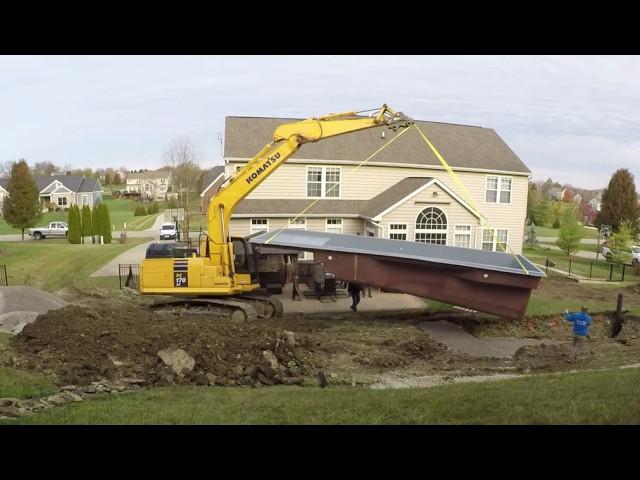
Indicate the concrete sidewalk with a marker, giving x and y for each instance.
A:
(133, 255)
(455, 337)
(378, 302)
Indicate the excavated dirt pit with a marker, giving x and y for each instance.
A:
(114, 340)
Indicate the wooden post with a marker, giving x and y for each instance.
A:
(616, 326)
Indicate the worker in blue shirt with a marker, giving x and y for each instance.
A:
(581, 321)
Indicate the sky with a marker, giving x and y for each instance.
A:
(573, 118)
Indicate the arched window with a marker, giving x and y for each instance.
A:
(431, 226)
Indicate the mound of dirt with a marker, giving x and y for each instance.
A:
(81, 344)
(543, 356)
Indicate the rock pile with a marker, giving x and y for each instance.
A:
(15, 407)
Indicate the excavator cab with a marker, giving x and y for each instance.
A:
(244, 258)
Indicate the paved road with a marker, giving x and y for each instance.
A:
(152, 231)
(587, 241)
(581, 253)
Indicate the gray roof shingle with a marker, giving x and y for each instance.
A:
(210, 175)
(462, 146)
(75, 183)
(393, 195)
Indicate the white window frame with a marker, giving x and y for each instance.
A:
(445, 231)
(494, 239)
(323, 181)
(254, 228)
(302, 225)
(499, 190)
(394, 230)
(62, 204)
(85, 200)
(330, 227)
(463, 232)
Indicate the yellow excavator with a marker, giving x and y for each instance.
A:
(222, 275)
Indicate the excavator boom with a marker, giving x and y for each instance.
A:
(224, 267)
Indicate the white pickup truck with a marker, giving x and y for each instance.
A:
(635, 254)
(55, 229)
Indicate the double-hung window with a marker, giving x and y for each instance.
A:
(462, 236)
(495, 240)
(334, 225)
(323, 182)
(498, 189)
(259, 225)
(398, 231)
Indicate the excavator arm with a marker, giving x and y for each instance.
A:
(212, 273)
(287, 139)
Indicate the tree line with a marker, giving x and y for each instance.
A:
(22, 208)
(89, 222)
(619, 209)
(107, 176)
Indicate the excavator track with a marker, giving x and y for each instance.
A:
(267, 307)
(209, 308)
(245, 308)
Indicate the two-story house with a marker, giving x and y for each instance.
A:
(149, 185)
(402, 193)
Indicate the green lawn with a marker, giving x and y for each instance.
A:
(553, 232)
(20, 384)
(601, 397)
(600, 269)
(121, 211)
(584, 247)
(54, 264)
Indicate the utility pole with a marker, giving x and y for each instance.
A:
(220, 140)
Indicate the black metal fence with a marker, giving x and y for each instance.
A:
(129, 275)
(563, 267)
(4, 280)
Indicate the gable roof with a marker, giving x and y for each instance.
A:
(212, 176)
(75, 183)
(393, 195)
(462, 146)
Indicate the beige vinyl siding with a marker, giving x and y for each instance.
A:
(240, 226)
(289, 181)
(408, 213)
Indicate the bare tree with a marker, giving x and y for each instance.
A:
(44, 168)
(180, 155)
(5, 168)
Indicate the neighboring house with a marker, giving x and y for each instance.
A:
(149, 185)
(589, 214)
(596, 202)
(402, 193)
(62, 191)
(568, 195)
(211, 181)
(555, 193)
(564, 195)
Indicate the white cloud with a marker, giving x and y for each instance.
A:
(575, 118)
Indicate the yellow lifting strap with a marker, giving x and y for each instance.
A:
(468, 196)
(334, 186)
